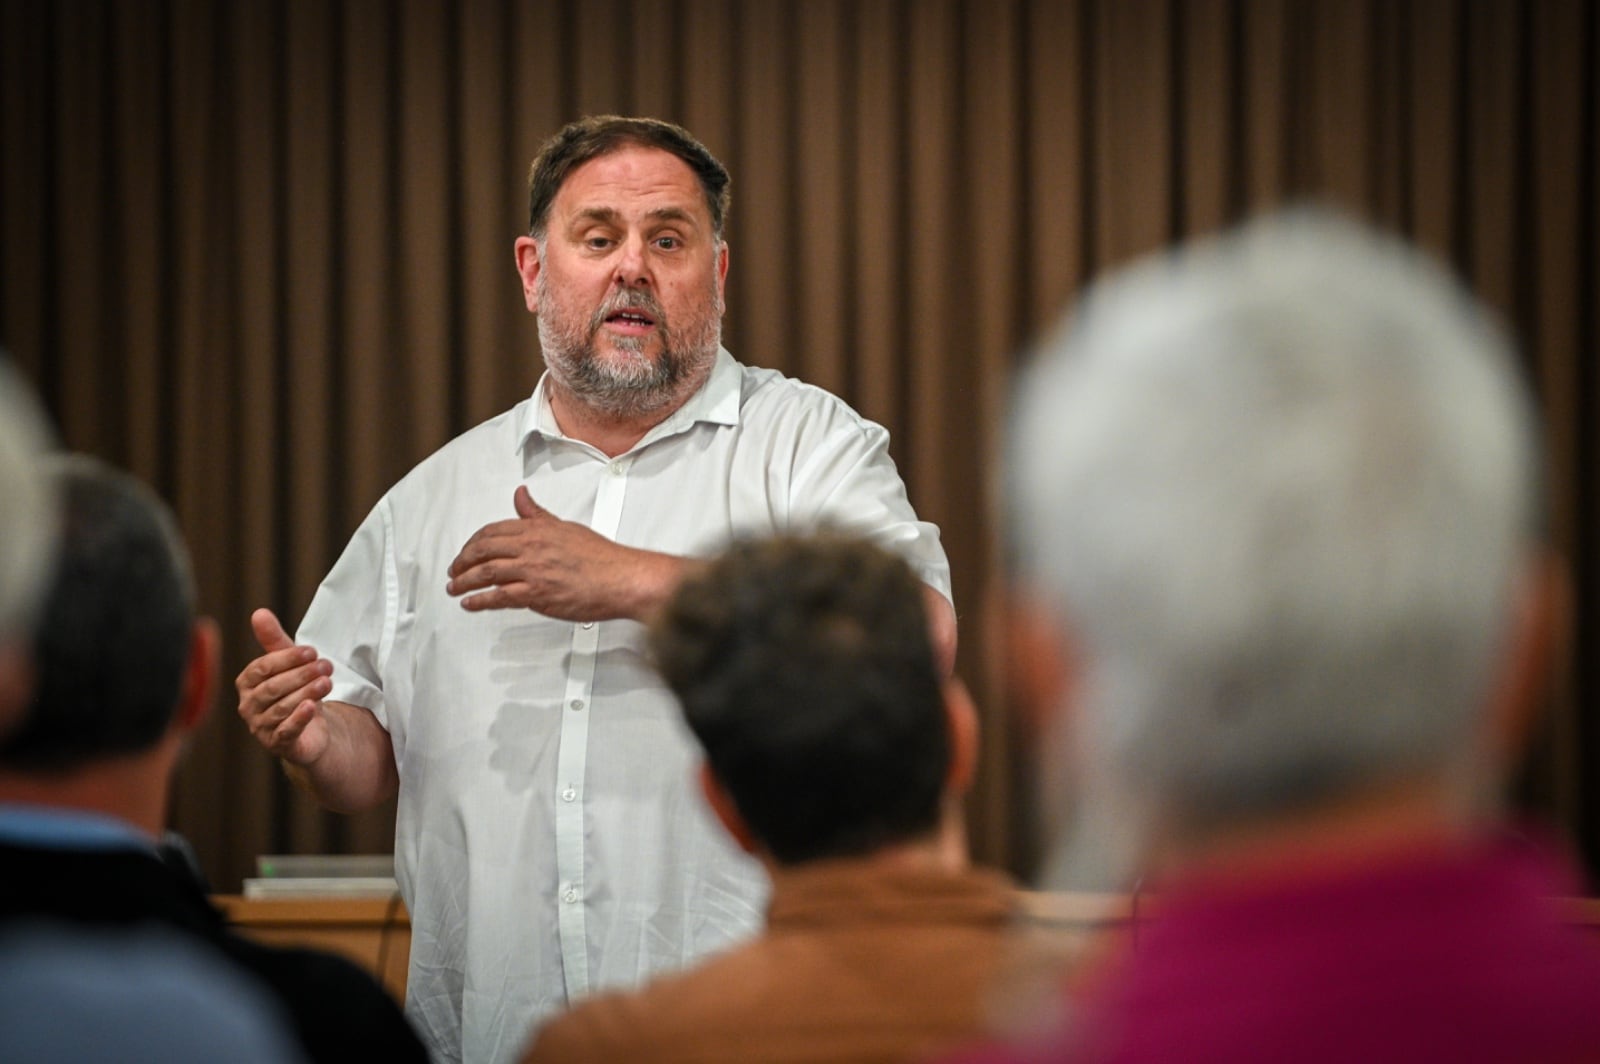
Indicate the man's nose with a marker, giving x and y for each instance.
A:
(633, 268)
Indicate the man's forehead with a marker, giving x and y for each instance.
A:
(631, 181)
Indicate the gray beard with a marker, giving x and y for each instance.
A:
(635, 387)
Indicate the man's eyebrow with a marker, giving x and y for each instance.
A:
(671, 214)
(612, 216)
(607, 215)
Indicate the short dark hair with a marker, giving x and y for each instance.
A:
(597, 135)
(806, 671)
(113, 638)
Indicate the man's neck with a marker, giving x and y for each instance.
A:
(610, 434)
(132, 789)
(1372, 827)
(944, 850)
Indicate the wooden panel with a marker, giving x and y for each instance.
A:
(373, 932)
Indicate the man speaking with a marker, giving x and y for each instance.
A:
(477, 648)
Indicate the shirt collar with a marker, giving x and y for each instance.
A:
(68, 829)
(717, 403)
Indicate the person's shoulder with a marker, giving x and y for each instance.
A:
(769, 397)
(621, 1025)
(341, 1011)
(669, 1019)
(478, 448)
(132, 993)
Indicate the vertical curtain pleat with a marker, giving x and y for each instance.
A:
(819, 279)
(1057, 151)
(260, 254)
(1204, 158)
(762, 254)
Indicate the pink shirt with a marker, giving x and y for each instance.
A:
(1439, 956)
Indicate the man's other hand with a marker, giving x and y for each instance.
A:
(559, 568)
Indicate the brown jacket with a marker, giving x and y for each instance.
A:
(858, 963)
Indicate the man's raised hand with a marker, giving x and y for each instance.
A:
(281, 692)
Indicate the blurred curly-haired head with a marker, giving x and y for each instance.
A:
(805, 670)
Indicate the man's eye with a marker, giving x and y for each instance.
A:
(668, 243)
(597, 242)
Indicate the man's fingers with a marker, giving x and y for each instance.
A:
(265, 721)
(289, 730)
(495, 540)
(307, 681)
(273, 664)
(510, 596)
(484, 574)
(269, 633)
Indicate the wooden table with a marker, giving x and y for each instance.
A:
(376, 932)
(373, 932)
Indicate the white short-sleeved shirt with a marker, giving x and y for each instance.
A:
(550, 840)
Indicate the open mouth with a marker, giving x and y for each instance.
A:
(631, 319)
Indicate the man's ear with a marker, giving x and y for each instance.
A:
(1536, 642)
(961, 716)
(721, 803)
(16, 684)
(199, 675)
(1034, 660)
(722, 274)
(528, 266)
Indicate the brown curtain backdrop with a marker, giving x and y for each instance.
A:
(260, 253)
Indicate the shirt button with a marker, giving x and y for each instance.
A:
(576, 703)
(570, 794)
(570, 895)
(588, 625)
(616, 469)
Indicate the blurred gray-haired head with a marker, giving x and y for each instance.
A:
(27, 511)
(1279, 487)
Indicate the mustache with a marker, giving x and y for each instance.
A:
(628, 299)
